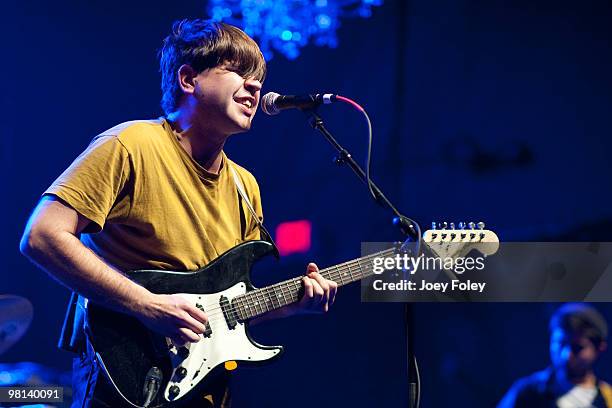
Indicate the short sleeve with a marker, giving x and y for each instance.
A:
(94, 180)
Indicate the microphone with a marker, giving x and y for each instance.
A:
(272, 103)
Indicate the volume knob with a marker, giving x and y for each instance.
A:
(173, 392)
(181, 372)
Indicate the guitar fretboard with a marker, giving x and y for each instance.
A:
(260, 301)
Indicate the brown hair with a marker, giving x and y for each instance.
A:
(205, 44)
(580, 319)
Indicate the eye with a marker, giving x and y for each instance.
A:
(576, 348)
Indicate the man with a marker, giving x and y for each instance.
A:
(578, 335)
(160, 194)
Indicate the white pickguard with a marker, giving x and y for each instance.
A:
(224, 344)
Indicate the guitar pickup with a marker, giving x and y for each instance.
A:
(208, 331)
(230, 316)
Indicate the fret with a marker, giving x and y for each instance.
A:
(297, 285)
(357, 273)
(265, 294)
(348, 267)
(265, 299)
(238, 307)
(370, 267)
(339, 277)
(262, 300)
(243, 302)
(360, 268)
(287, 292)
(335, 274)
(257, 303)
(343, 273)
(284, 293)
(284, 297)
(247, 307)
(273, 296)
(251, 305)
(354, 269)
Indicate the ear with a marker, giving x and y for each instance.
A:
(603, 346)
(187, 78)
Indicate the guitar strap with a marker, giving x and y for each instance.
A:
(264, 232)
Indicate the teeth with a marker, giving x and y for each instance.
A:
(246, 103)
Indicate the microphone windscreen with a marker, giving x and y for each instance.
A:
(268, 103)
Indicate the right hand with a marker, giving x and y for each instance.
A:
(174, 317)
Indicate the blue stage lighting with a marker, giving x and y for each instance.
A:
(288, 25)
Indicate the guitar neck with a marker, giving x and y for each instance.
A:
(264, 300)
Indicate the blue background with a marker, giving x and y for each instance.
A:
(482, 110)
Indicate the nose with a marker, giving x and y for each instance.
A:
(252, 85)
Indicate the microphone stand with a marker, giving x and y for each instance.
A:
(403, 223)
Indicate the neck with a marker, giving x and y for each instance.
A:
(587, 380)
(203, 144)
(260, 301)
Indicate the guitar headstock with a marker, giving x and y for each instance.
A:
(447, 241)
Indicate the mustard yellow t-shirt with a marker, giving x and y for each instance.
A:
(151, 204)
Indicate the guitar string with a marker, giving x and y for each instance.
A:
(266, 304)
(262, 296)
(340, 270)
(217, 317)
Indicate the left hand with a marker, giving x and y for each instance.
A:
(319, 293)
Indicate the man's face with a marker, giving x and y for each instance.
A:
(226, 101)
(572, 353)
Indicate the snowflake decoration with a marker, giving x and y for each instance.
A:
(288, 25)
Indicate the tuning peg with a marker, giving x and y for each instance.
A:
(462, 225)
(444, 225)
(452, 225)
(434, 225)
(481, 225)
(471, 225)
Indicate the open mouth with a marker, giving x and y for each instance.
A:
(246, 102)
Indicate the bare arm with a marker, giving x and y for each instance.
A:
(51, 241)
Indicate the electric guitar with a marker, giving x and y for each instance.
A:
(147, 370)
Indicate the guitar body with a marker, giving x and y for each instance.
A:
(127, 350)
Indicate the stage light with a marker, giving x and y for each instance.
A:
(286, 26)
(293, 237)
